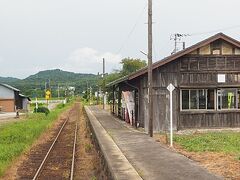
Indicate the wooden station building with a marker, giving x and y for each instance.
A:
(207, 95)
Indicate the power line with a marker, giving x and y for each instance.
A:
(132, 30)
(216, 30)
(154, 50)
(177, 37)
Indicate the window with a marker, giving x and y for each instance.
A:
(198, 99)
(210, 99)
(238, 98)
(228, 99)
(216, 47)
(193, 99)
(202, 99)
(185, 99)
(216, 51)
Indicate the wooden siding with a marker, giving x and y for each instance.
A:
(161, 117)
(209, 63)
(209, 120)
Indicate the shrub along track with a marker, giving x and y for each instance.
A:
(59, 162)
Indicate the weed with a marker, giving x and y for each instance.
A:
(88, 147)
(94, 178)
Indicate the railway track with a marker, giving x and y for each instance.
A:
(55, 159)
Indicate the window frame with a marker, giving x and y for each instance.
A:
(216, 99)
(237, 107)
(206, 100)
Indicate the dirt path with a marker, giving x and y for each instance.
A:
(10, 118)
(88, 165)
(222, 164)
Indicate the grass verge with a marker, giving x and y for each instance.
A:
(224, 142)
(17, 137)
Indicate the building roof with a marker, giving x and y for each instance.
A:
(9, 87)
(122, 79)
(23, 96)
(178, 55)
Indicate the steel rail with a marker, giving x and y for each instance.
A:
(50, 149)
(74, 152)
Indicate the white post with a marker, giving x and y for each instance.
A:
(171, 89)
(36, 105)
(171, 124)
(105, 100)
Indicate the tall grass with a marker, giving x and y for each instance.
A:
(15, 138)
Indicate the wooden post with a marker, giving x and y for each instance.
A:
(119, 102)
(113, 103)
(136, 109)
(150, 102)
(104, 83)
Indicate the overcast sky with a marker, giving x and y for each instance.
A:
(74, 35)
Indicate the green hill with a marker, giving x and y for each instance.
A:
(35, 84)
(8, 79)
(58, 76)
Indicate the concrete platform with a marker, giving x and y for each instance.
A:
(118, 165)
(7, 115)
(129, 152)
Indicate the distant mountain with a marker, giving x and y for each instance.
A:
(8, 79)
(58, 76)
(59, 79)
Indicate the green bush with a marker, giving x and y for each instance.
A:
(60, 106)
(34, 104)
(42, 110)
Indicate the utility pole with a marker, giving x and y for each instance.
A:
(58, 92)
(98, 89)
(87, 90)
(90, 95)
(103, 83)
(150, 98)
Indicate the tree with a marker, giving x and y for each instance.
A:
(113, 76)
(130, 65)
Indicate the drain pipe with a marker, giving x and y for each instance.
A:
(138, 99)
